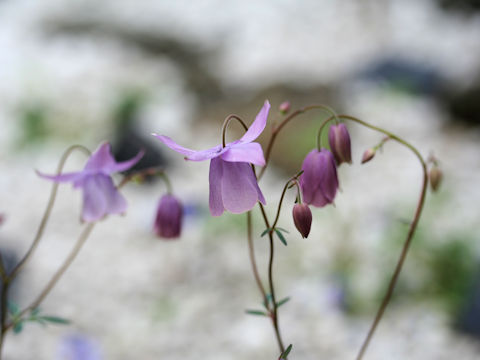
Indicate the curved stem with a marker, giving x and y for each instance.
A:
(227, 121)
(251, 255)
(287, 186)
(285, 121)
(409, 237)
(48, 211)
(58, 274)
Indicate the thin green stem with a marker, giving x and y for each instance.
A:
(58, 274)
(251, 254)
(409, 237)
(287, 186)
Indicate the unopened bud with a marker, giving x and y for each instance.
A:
(368, 155)
(302, 217)
(168, 221)
(284, 107)
(339, 140)
(435, 176)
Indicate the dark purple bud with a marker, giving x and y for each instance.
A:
(339, 140)
(435, 176)
(168, 222)
(284, 107)
(319, 181)
(302, 217)
(368, 155)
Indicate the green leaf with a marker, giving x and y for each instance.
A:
(286, 352)
(281, 237)
(265, 232)
(283, 301)
(18, 327)
(282, 229)
(256, 312)
(55, 320)
(13, 308)
(34, 312)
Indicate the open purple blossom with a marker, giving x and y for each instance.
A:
(233, 185)
(319, 181)
(100, 196)
(168, 220)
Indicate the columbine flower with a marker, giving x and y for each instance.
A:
(100, 196)
(339, 140)
(319, 181)
(302, 218)
(233, 185)
(168, 221)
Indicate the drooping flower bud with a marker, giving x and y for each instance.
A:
(368, 155)
(284, 107)
(319, 182)
(302, 217)
(339, 140)
(168, 221)
(435, 176)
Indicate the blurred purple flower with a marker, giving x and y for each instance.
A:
(78, 347)
(319, 181)
(100, 196)
(168, 221)
(233, 185)
(339, 140)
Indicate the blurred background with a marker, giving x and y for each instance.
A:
(86, 71)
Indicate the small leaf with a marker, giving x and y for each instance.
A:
(13, 308)
(282, 229)
(283, 301)
(286, 352)
(34, 312)
(265, 232)
(54, 319)
(256, 312)
(18, 327)
(281, 237)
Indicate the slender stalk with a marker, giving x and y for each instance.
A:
(48, 211)
(227, 121)
(58, 274)
(251, 255)
(409, 237)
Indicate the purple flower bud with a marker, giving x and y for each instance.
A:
(435, 176)
(302, 217)
(284, 107)
(319, 181)
(168, 222)
(339, 140)
(368, 155)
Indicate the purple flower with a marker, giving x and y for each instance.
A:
(168, 221)
(339, 140)
(319, 181)
(78, 347)
(302, 218)
(100, 196)
(233, 185)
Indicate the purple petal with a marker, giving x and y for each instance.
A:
(309, 180)
(238, 192)
(102, 160)
(258, 125)
(100, 197)
(253, 180)
(215, 180)
(192, 154)
(249, 153)
(66, 177)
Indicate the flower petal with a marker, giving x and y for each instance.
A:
(258, 124)
(249, 153)
(123, 165)
(309, 180)
(103, 161)
(66, 177)
(238, 192)
(215, 180)
(116, 203)
(94, 202)
(192, 154)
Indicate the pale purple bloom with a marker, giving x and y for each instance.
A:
(100, 196)
(339, 140)
(168, 220)
(319, 181)
(233, 185)
(78, 347)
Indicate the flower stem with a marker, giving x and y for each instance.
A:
(409, 237)
(251, 254)
(227, 121)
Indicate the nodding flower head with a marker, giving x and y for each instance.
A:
(169, 217)
(319, 181)
(233, 185)
(302, 218)
(100, 196)
(339, 140)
